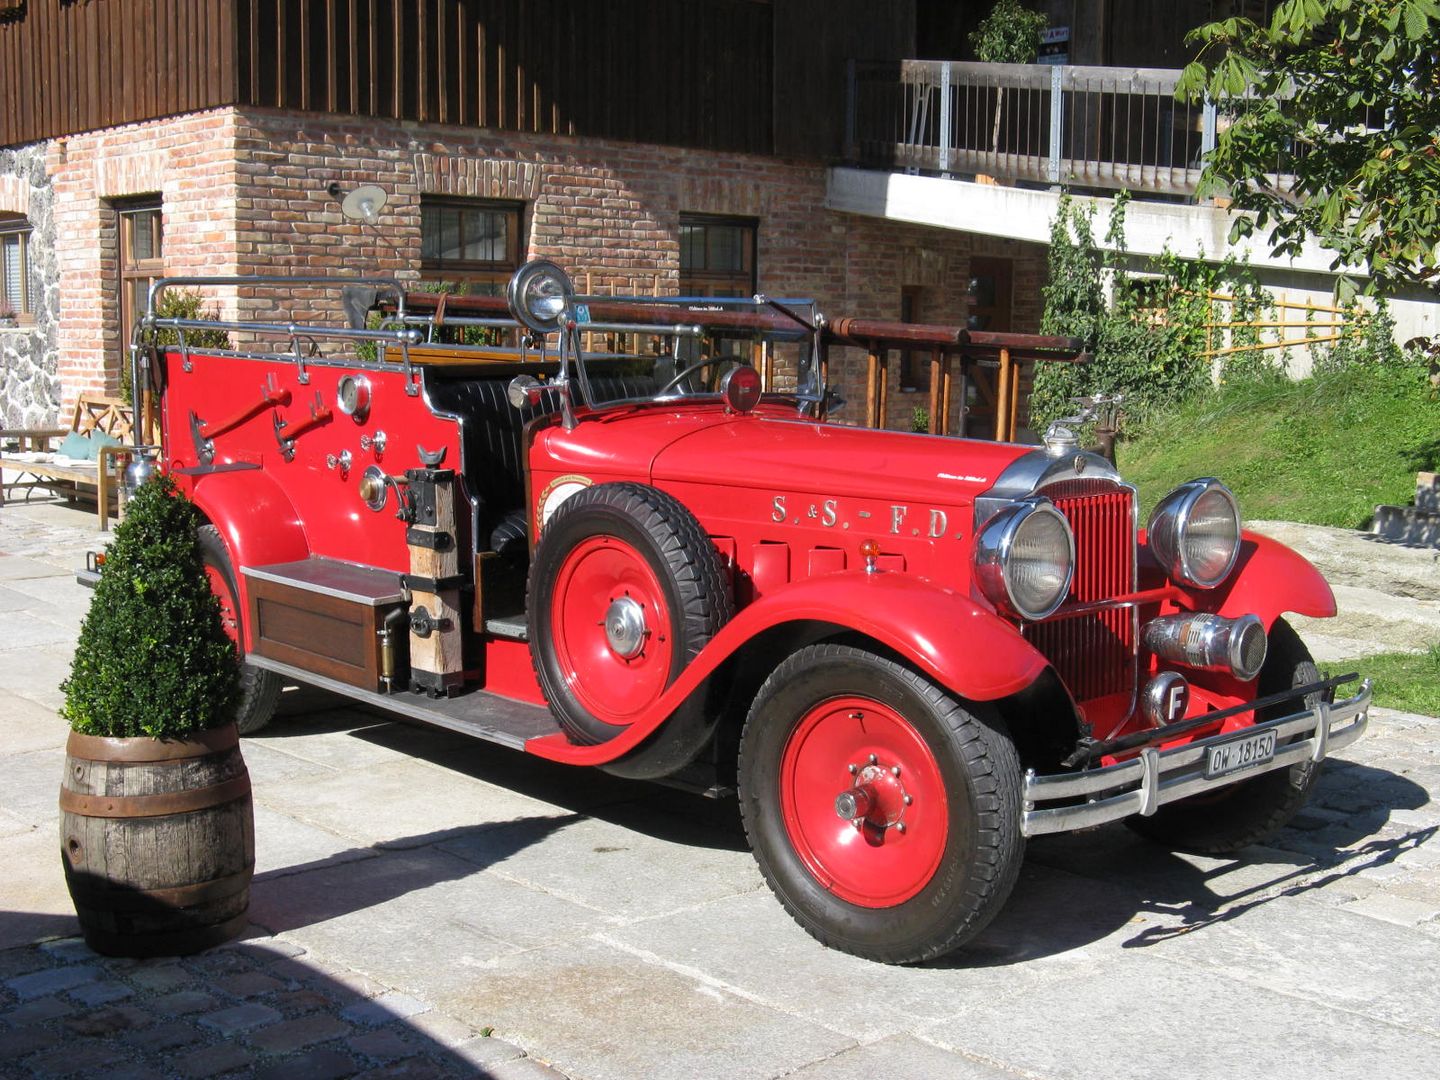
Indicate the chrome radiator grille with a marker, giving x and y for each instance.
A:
(1094, 654)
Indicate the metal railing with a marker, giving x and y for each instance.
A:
(1097, 127)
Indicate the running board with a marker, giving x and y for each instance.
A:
(477, 713)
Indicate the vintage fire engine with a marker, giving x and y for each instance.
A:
(905, 653)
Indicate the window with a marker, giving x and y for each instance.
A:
(914, 363)
(474, 243)
(142, 240)
(17, 292)
(717, 256)
(988, 295)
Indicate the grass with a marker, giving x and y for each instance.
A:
(1323, 450)
(1406, 681)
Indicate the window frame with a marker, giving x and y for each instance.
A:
(129, 269)
(490, 272)
(17, 227)
(712, 282)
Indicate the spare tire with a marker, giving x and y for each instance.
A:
(625, 590)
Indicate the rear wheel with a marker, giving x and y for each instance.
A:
(1253, 810)
(883, 813)
(625, 590)
(259, 689)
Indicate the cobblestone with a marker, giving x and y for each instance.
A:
(291, 1035)
(240, 1018)
(52, 981)
(312, 1065)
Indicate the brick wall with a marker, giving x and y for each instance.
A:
(246, 192)
(189, 162)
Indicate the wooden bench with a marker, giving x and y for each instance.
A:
(34, 453)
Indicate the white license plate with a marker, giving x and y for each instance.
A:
(1239, 753)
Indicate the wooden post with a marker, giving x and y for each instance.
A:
(937, 392)
(1002, 399)
(872, 389)
(1017, 370)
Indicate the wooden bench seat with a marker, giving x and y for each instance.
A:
(34, 454)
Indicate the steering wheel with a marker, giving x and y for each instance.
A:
(699, 365)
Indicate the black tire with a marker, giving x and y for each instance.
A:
(259, 689)
(1251, 811)
(820, 712)
(624, 543)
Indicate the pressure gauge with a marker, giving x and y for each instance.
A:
(352, 396)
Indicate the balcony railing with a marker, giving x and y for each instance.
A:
(1088, 127)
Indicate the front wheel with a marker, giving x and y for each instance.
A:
(1251, 811)
(883, 813)
(259, 689)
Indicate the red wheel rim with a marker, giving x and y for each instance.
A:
(229, 617)
(893, 853)
(610, 687)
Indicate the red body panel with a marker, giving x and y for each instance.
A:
(943, 633)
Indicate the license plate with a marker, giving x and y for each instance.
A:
(1239, 753)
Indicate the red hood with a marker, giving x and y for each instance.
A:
(797, 455)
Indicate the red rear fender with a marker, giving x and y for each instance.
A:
(254, 517)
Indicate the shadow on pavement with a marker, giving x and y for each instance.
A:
(259, 1008)
(287, 898)
(1079, 888)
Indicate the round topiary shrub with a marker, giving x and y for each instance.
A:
(153, 658)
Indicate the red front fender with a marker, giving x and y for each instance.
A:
(945, 634)
(255, 518)
(1270, 579)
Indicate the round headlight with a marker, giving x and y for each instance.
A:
(1025, 559)
(538, 294)
(1195, 533)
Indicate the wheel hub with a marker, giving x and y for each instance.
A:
(876, 796)
(625, 627)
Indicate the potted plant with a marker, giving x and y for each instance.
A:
(157, 826)
(7, 315)
(1010, 34)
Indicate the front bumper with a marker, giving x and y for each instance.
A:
(1156, 777)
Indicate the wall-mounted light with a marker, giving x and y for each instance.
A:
(362, 204)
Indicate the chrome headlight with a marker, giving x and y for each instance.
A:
(538, 294)
(1195, 533)
(1025, 558)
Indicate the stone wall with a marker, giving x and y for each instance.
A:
(30, 388)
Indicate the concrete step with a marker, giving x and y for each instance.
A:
(1407, 525)
(1427, 491)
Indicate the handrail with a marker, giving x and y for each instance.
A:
(1100, 127)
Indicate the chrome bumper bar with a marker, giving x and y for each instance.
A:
(1156, 777)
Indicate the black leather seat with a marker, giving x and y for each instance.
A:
(492, 435)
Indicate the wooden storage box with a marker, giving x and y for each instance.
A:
(323, 616)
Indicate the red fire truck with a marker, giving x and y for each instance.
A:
(626, 533)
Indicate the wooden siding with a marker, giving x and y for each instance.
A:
(678, 72)
(756, 76)
(67, 67)
(813, 40)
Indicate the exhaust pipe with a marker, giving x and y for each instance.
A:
(1209, 642)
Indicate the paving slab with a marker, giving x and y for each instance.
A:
(900, 1057)
(1141, 1014)
(599, 1012)
(27, 725)
(613, 869)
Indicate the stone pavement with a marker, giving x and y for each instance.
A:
(427, 905)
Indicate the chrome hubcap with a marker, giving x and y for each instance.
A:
(625, 627)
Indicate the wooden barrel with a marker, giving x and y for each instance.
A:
(158, 841)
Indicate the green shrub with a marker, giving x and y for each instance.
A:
(153, 658)
(180, 304)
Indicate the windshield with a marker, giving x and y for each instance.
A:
(629, 349)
